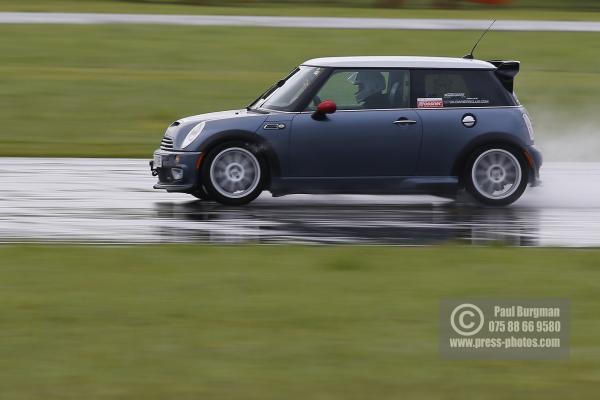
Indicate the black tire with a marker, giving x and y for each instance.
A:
(477, 189)
(219, 193)
(201, 194)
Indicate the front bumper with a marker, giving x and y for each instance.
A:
(178, 170)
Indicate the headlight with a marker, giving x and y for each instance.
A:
(193, 134)
(529, 126)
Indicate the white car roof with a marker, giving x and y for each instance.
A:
(399, 62)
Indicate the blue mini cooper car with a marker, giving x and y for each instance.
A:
(362, 125)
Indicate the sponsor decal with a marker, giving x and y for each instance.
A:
(454, 95)
(460, 99)
(430, 102)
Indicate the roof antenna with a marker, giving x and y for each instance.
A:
(470, 55)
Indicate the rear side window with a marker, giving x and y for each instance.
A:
(438, 88)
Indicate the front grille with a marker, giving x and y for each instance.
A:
(166, 143)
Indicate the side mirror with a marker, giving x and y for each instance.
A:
(324, 108)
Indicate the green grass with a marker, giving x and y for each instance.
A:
(111, 90)
(199, 322)
(533, 9)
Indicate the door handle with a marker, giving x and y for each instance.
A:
(404, 121)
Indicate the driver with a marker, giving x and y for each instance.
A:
(371, 85)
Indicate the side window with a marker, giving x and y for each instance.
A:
(366, 89)
(458, 88)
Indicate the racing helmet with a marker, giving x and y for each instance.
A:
(368, 82)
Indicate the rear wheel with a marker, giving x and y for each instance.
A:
(233, 174)
(496, 176)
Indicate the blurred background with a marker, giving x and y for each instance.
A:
(442, 4)
(110, 90)
(564, 4)
(540, 4)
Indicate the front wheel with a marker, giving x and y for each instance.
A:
(496, 176)
(233, 174)
(201, 194)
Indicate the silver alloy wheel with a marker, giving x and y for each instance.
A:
(235, 172)
(496, 174)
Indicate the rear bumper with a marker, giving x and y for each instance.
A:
(173, 164)
(535, 160)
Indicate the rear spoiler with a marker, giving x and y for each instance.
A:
(506, 72)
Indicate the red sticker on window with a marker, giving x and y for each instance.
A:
(433, 102)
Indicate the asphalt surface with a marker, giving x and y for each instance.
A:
(296, 22)
(112, 201)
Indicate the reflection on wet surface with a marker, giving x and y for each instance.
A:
(411, 224)
(112, 201)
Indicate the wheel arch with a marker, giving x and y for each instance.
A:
(262, 147)
(489, 140)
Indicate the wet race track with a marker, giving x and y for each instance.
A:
(112, 201)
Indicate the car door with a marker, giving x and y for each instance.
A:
(379, 138)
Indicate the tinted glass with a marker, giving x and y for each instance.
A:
(366, 89)
(459, 88)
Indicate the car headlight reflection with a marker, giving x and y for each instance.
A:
(193, 134)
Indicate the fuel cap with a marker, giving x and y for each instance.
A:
(469, 120)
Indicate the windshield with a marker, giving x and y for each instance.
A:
(285, 97)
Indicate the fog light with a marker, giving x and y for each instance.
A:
(177, 173)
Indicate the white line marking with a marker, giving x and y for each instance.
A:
(295, 22)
